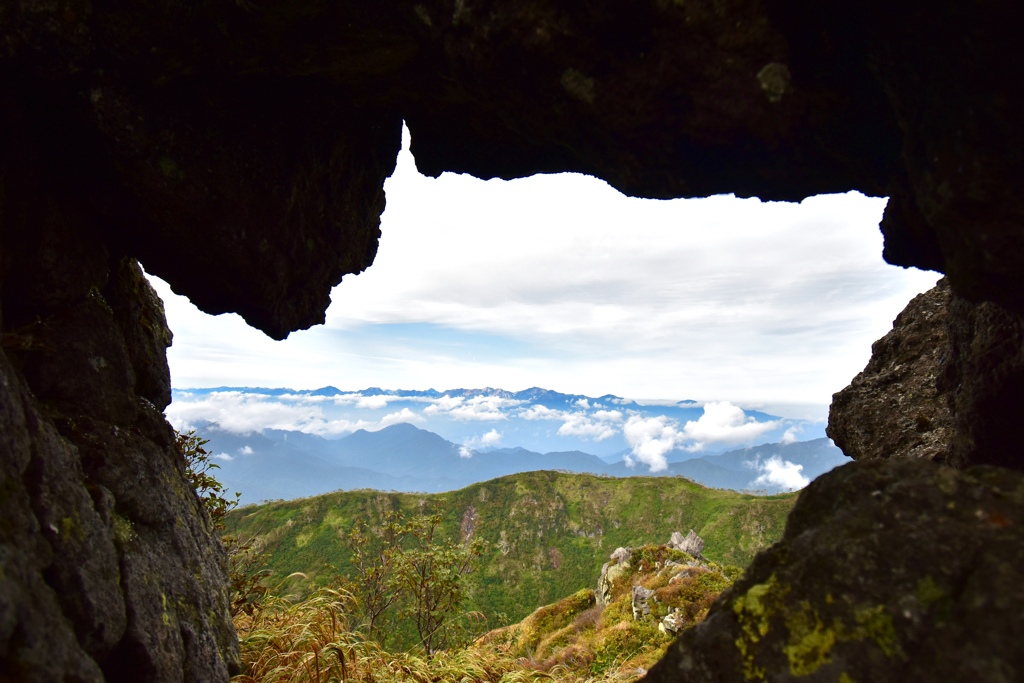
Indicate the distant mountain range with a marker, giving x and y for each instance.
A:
(285, 464)
(541, 421)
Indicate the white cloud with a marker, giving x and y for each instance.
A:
(779, 473)
(601, 425)
(403, 415)
(723, 422)
(790, 436)
(337, 427)
(245, 450)
(480, 408)
(583, 403)
(491, 438)
(579, 424)
(243, 413)
(539, 412)
(484, 408)
(304, 398)
(346, 399)
(373, 402)
(667, 402)
(771, 301)
(651, 438)
(443, 404)
(224, 456)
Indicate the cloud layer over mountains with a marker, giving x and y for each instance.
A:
(611, 427)
(280, 464)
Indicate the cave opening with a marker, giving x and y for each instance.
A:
(559, 280)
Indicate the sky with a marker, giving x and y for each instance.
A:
(561, 282)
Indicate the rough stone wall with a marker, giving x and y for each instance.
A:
(262, 129)
(983, 379)
(896, 570)
(896, 567)
(109, 568)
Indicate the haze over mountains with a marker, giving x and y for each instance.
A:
(283, 444)
(537, 419)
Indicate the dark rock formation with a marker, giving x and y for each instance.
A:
(983, 379)
(946, 383)
(238, 150)
(893, 408)
(109, 565)
(263, 131)
(888, 571)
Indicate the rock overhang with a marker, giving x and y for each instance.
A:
(239, 150)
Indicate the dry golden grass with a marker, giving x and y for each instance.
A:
(312, 642)
(571, 641)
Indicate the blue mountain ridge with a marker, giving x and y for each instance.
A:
(282, 464)
(545, 397)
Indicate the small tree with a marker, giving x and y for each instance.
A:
(432, 573)
(413, 571)
(246, 573)
(198, 466)
(376, 584)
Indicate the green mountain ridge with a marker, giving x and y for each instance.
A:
(548, 533)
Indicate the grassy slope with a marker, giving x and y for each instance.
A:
(549, 532)
(577, 639)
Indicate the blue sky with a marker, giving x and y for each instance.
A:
(560, 281)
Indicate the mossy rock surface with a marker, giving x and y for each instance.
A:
(578, 638)
(888, 571)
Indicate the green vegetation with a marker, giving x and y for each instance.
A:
(546, 533)
(246, 570)
(352, 571)
(412, 568)
(199, 473)
(574, 640)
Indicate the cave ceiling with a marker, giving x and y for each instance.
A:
(239, 149)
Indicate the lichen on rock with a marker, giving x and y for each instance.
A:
(888, 571)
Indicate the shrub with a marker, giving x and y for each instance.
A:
(198, 472)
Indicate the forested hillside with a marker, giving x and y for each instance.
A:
(547, 533)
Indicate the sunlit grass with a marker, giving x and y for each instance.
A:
(574, 640)
(583, 519)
